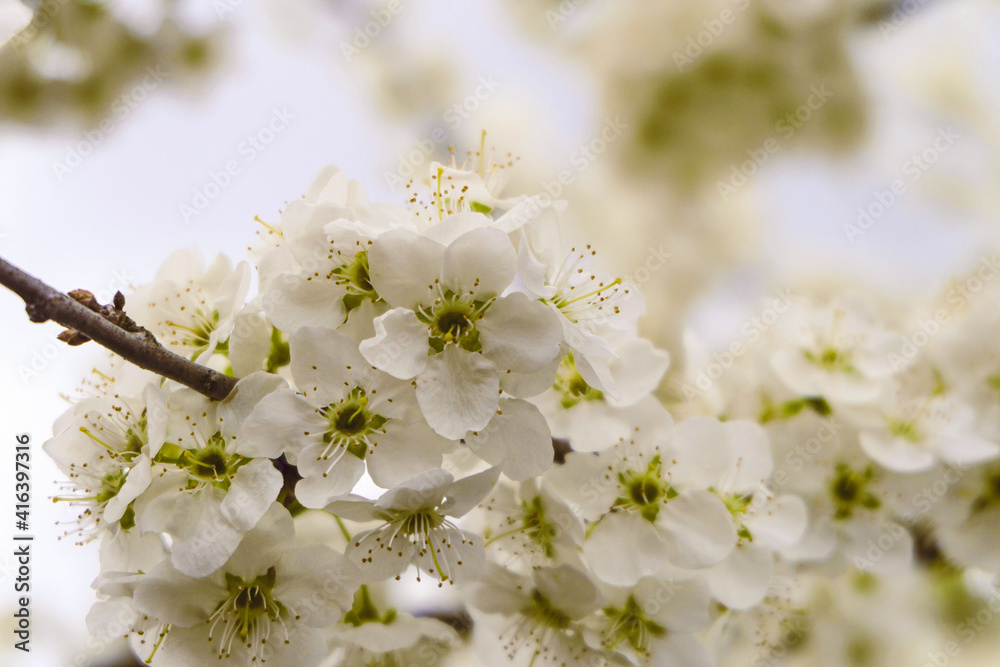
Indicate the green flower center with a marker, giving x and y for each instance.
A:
(419, 522)
(212, 463)
(452, 319)
(111, 485)
(990, 493)
(737, 506)
(571, 386)
(247, 613)
(905, 429)
(350, 423)
(644, 490)
(542, 612)
(355, 278)
(196, 335)
(364, 610)
(630, 625)
(849, 490)
(135, 438)
(831, 359)
(538, 529)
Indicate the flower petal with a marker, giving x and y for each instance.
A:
(282, 423)
(698, 530)
(481, 262)
(519, 334)
(458, 392)
(517, 439)
(399, 346)
(623, 548)
(405, 267)
(254, 487)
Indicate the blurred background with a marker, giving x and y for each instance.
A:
(716, 151)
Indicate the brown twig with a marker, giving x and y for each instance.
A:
(138, 346)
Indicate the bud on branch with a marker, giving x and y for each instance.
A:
(110, 327)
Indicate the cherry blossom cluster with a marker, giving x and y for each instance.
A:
(452, 392)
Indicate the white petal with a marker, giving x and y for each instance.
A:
(157, 417)
(110, 619)
(519, 334)
(481, 262)
(14, 17)
(325, 364)
(176, 598)
(369, 552)
(405, 449)
(896, 453)
(317, 582)
(637, 371)
(517, 439)
(419, 492)
(591, 426)
(885, 548)
(464, 494)
(680, 650)
(316, 490)
(399, 346)
(292, 301)
(137, 481)
(529, 385)
(203, 539)
(404, 267)
(698, 530)
(623, 548)
(452, 227)
(254, 487)
(250, 342)
(964, 450)
(704, 452)
(742, 579)
(753, 465)
(458, 392)
(278, 425)
(585, 481)
(779, 523)
(263, 546)
(570, 590)
(240, 402)
(403, 633)
(355, 508)
(681, 605)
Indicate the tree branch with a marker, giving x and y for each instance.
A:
(140, 347)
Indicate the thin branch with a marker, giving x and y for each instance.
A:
(140, 347)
